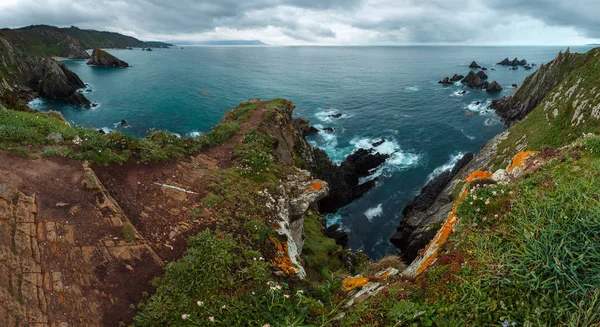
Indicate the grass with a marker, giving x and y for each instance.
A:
(27, 132)
(320, 254)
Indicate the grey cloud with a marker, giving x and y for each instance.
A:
(580, 14)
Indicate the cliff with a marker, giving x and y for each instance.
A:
(104, 59)
(23, 77)
(72, 42)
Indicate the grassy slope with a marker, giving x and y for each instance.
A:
(541, 128)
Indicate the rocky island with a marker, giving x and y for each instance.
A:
(104, 59)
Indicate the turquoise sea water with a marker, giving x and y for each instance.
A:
(382, 92)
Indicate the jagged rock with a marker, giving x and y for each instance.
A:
(312, 131)
(483, 68)
(494, 87)
(456, 78)
(515, 86)
(95, 104)
(445, 81)
(410, 237)
(336, 233)
(514, 62)
(474, 65)
(55, 137)
(472, 80)
(378, 143)
(105, 59)
(329, 130)
(482, 74)
(335, 116)
(123, 122)
(514, 68)
(535, 88)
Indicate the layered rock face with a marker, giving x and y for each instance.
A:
(31, 76)
(535, 88)
(105, 59)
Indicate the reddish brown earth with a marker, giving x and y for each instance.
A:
(65, 257)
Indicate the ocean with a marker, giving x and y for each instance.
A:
(388, 93)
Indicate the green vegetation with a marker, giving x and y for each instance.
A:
(556, 121)
(525, 253)
(320, 253)
(128, 233)
(27, 132)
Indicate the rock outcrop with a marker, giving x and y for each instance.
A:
(456, 78)
(474, 65)
(535, 88)
(494, 87)
(473, 80)
(482, 75)
(414, 231)
(514, 62)
(105, 59)
(446, 81)
(32, 77)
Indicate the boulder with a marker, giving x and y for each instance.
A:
(123, 122)
(55, 137)
(494, 87)
(456, 78)
(378, 143)
(104, 59)
(482, 74)
(472, 80)
(474, 65)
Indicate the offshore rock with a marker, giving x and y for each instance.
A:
(456, 78)
(104, 59)
(474, 65)
(473, 80)
(494, 87)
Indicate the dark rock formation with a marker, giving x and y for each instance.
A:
(456, 78)
(336, 233)
(515, 86)
(535, 88)
(473, 81)
(343, 180)
(335, 116)
(494, 87)
(378, 143)
(514, 68)
(123, 122)
(514, 62)
(482, 74)
(105, 59)
(329, 130)
(409, 238)
(446, 81)
(474, 65)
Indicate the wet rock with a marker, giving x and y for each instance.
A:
(378, 143)
(514, 68)
(515, 85)
(334, 115)
(123, 122)
(95, 104)
(446, 81)
(339, 235)
(482, 74)
(456, 78)
(494, 87)
(328, 130)
(472, 80)
(474, 65)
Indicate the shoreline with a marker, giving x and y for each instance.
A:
(61, 58)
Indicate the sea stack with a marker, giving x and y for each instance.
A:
(105, 59)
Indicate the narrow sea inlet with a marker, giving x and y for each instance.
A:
(387, 98)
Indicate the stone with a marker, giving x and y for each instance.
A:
(55, 137)
(456, 78)
(494, 87)
(482, 74)
(472, 80)
(501, 176)
(474, 65)
(446, 81)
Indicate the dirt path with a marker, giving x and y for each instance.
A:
(65, 256)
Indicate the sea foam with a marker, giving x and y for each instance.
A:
(447, 166)
(374, 212)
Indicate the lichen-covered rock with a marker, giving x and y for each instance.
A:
(501, 176)
(105, 59)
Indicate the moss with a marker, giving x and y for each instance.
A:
(128, 233)
(320, 253)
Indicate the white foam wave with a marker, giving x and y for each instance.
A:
(333, 219)
(467, 135)
(374, 212)
(325, 116)
(194, 134)
(412, 88)
(106, 130)
(459, 93)
(37, 103)
(479, 106)
(447, 166)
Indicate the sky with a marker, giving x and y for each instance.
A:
(324, 22)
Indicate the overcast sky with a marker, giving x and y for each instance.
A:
(324, 22)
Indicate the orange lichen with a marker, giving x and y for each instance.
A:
(520, 159)
(478, 174)
(282, 259)
(384, 276)
(355, 282)
(442, 236)
(317, 186)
